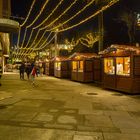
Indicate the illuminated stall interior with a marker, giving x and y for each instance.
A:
(121, 65)
(61, 67)
(82, 66)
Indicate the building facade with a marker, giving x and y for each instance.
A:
(7, 28)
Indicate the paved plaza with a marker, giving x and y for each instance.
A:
(60, 109)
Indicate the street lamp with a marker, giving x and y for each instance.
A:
(56, 49)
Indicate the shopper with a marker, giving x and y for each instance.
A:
(28, 70)
(21, 70)
(0, 74)
(33, 74)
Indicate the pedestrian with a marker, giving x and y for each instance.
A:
(28, 70)
(33, 74)
(21, 70)
(0, 73)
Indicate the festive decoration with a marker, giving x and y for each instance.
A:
(89, 39)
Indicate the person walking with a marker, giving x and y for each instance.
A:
(28, 70)
(33, 74)
(21, 70)
(0, 73)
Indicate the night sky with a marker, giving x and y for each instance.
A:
(115, 30)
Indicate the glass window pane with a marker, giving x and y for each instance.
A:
(109, 67)
(59, 66)
(74, 65)
(80, 66)
(123, 66)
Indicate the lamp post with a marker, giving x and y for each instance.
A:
(55, 42)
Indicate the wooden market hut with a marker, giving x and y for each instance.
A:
(62, 67)
(121, 68)
(82, 67)
(49, 67)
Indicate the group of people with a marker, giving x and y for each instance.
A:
(29, 69)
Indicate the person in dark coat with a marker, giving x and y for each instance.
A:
(21, 71)
(0, 74)
(28, 70)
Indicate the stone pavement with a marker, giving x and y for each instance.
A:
(58, 109)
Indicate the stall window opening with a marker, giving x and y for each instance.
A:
(74, 66)
(109, 66)
(58, 65)
(80, 66)
(123, 66)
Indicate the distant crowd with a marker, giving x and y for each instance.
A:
(31, 70)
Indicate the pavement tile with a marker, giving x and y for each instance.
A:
(116, 113)
(59, 126)
(44, 117)
(125, 122)
(91, 112)
(93, 120)
(130, 131)
(67, 119)
(5, 115)
(88, 137)
(118, 136)
(24, 116)
(89, 128)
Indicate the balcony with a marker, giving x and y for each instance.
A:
(8, 25)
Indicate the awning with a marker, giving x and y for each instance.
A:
(8, 25)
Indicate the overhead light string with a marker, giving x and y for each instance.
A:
(45, 20)
(32, 49)
(61, 16)
(37, 49)
(38, 41)
(93, 15)
(32, 5)
(42, 9)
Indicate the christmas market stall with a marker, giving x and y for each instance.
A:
(82, 67)
(121, 68)
(49, 67)
(61, 67)
(97, 69)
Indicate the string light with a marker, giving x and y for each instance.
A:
(25, 22)
(44, 22)
(40, 41)
(93, 15)
(49, 15)
(85, 7)
(28, 13)
(45, 44)
(43, 7)
(60, 17)
(42, 45)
